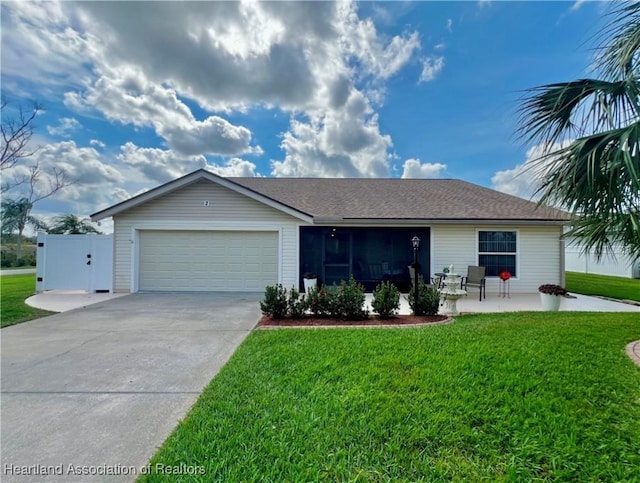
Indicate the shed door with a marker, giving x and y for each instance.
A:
(207, 260)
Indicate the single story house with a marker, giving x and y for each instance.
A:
(204, 232)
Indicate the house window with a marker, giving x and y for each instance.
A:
(497, 251)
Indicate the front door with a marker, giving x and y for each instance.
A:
(337, 256)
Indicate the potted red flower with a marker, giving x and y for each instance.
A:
(550, 296)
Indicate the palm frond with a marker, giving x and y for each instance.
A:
(597, 172)
(620, 43)
(589, 132)
(555, 112)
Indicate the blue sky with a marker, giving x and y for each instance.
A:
(138, 94)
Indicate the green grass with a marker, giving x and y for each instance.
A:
(507, 397)
(614, 287)
(14, 290)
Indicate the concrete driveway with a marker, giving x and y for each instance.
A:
(98, 389)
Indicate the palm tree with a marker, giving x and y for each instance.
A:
(589, 130)
(16, 215)
(70, 224)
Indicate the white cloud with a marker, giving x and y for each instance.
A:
(345, 143)
(235, 167)
(523, 179)
(129, 98)
(431, 67)
(119, 194)
(65, 128)
(361, 41)
(413, 168)
(450, 25)
(83, 165)
(91, 178)
(97, 143)
(159, 165)
(515, 182)
(39, 46)
(214, 135)
(149, 65)
(577, 4)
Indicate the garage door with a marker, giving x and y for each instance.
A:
(207, 260)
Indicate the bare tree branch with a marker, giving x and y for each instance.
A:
(16, 134)
(56, 180)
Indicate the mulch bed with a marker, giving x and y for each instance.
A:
(310, 321)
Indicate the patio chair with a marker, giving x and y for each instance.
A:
(412, 275)
(475, 278)
(375, 271)
(438, 281)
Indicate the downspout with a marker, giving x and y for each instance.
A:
(562, 263)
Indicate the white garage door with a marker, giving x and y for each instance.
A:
(207, 260)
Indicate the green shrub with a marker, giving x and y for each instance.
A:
(8, 259)
(349, 301)
(334, 306)
(275, 302)
(386, 300)
(297, 304)
(344, 301)
(319, 301)
(428, 299)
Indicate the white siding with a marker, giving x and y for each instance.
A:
(185, 210)
(538, 257)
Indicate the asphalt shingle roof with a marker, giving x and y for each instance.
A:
(367, 198)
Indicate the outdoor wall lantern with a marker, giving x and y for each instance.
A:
(415, 241)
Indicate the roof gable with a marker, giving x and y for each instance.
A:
(188, 180)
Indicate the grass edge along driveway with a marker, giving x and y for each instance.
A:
(14, 290)
(493, 397)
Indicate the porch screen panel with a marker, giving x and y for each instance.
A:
(375, 254)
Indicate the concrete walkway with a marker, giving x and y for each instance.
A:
(524, 302)
(64, 300)
(633, 351)
(103, 386)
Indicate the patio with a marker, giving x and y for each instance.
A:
(524, 302)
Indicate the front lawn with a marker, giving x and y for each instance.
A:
(614, 287)
(492, 397)
(14, 290)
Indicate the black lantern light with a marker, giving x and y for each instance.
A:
(415, 241)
